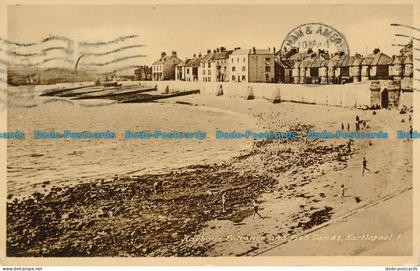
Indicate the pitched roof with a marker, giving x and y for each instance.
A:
(166, 59)
(184, 63)
(398, 59)
(325, 63)
(297, 56)
(316, 63)
(334, 61)
(357, 61)
(251, 51)
(222, 55)
(367, 60)
(346, 60)
(195, 62)
(381, 59)
(408, 60)
(306, 63)
(207, 58)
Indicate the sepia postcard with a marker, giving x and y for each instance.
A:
(198, 132)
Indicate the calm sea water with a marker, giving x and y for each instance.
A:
(32, 162)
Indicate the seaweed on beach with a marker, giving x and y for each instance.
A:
(124, 217)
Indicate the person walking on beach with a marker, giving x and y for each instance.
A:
(342, 126)
(224, 202)
(357, 123)
(349, 146)
(255, 206)
(343, 191)
(364, 163)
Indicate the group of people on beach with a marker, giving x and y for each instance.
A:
(358, 124)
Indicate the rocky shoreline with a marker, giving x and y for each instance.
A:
(122, 216)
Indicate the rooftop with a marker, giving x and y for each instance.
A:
(167, 59)
(251, 52)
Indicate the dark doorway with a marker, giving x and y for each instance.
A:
(384, 98)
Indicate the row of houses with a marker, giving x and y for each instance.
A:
(219, 65)
(343, 68)
(268, 66)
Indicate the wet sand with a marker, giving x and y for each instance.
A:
(296, 183)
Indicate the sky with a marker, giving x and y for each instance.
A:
(190, 29)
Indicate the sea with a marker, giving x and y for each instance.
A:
(33, 163)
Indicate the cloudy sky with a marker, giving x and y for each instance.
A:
(188, 29)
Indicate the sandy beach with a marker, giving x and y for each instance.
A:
(296, 183)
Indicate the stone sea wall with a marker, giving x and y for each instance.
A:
(348, 95)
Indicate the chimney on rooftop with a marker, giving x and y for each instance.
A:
(208, 51)
(222, 49)
(199, 54)
(174, 53)
(274, 50)
(163, 54)
(214, 51)
(194, 55)
(254, 51)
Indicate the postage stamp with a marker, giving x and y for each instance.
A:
(316, 36)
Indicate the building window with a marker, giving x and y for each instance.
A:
(204, 72)
(232, 60)
(209, 79)
(233, 77)
(244, 59)
(237, 59)
(209, 72)
(243, 68)
(267, 78)
(267, 61)
(243, 78)
(233, 68)
(267, 69)
(188, 71)
(208, 65)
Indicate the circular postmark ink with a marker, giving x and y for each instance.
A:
(316, 36)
